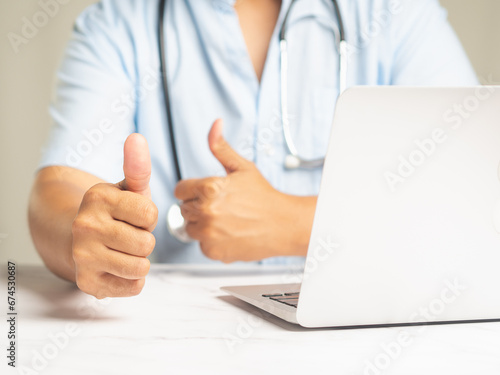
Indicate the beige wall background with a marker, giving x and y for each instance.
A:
(27, 77)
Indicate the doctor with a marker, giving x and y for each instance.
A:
(168, 72)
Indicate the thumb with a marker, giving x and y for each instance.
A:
(224, 153)
(136, 165)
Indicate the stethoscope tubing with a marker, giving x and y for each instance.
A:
(175, 222)
(293, 160)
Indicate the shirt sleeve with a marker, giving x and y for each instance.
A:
(426, 49)
(94, 104)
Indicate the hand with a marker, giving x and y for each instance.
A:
(112, 230)
(241, 217)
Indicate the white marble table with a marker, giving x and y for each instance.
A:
(183, 324)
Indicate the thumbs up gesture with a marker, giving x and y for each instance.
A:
(241, 217)
(112, 230)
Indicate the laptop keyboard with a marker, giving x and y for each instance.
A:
(290, 299)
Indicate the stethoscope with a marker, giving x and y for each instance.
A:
(175, 221)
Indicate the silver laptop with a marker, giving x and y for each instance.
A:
(407, 225)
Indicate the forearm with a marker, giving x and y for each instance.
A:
(298, 216)
(53, 206)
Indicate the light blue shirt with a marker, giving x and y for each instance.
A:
(109, 86)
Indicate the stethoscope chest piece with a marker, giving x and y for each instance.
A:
(177, 225)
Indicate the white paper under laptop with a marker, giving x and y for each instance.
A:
(409, 210)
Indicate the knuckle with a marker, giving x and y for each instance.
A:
(207, 231)
(96, 193)
(208, 214)
(136, 287)
(192, 232)
(150, 213)
(212, 187)
(197, 205)
(100, 295)
(211, 252)
(143, 267)
(187, 211)
(115, 231)
(81, 225)
(87, 226)
(149, 243)
(139, 269)
(80, 255)
(88, 221)
(178, 190)
(227, 260)
(204, 220)
(85, 286)
(200, 231)
(207, 251)
(205, 234)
